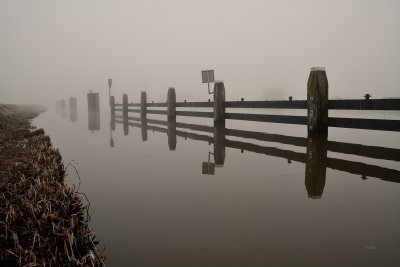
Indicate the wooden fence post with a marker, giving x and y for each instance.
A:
(171, 103)
(125, 113)
(143, 126)
(93, 111)
(143, 105)
(112, 106)
(317, 101)
(219, 102)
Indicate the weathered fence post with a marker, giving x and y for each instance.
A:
(317, 101)
(219, 102)
(143, 126)
(112, 108)
(125, 105)
(171, 103)
(143, 105)
(93, 111)
(316, 162)
(125, 113)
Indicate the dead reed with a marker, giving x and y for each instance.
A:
(43, 222)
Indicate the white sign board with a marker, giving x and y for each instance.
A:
(207, 76)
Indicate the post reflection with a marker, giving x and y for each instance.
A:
(316, 162)
(63, 108)
(112, 122)
(171, 134)
(219, 144)
(93, 112)
(315, 159)
(73, 109)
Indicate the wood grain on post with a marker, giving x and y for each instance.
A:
(171, 103)
(143, 105)
(219, 102)
(317, 101)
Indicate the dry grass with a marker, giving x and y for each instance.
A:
(43, 222)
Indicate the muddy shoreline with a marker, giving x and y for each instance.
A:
(43, 222)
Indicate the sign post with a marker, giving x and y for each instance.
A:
(207, 76)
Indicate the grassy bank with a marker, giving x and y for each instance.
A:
(43, 222)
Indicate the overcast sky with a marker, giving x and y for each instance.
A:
(261, 49)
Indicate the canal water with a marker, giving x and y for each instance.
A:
(245, 194)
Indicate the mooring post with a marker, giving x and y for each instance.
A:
(125, 113)
(143, 126)
(143, 104)
(112, 105)
(317, 101)
(171, 103)
(316, 161)
(125, 105)
(112, 108)
(219, 102)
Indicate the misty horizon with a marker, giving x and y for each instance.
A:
(260, 49)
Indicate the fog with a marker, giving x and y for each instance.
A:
(260, 49)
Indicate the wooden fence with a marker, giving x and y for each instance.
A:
(317, 105)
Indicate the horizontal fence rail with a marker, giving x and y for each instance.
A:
(362, 104)
(342, 104)
(268, 118)
(366, 124)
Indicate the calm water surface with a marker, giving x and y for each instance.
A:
(267, 203)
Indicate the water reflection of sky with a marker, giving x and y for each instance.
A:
(152, 206)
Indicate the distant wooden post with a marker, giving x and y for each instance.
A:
(112, 105)
(125, 105)
(143, 105)
(317, 101)
(93, 111)
(125, 113)
(171, 103)
(112, 108)
(143, 126)
(219, 102)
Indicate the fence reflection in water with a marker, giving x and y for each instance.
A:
(315, 159)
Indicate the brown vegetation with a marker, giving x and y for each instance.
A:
(43, 222)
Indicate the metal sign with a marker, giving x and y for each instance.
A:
(207, 76)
